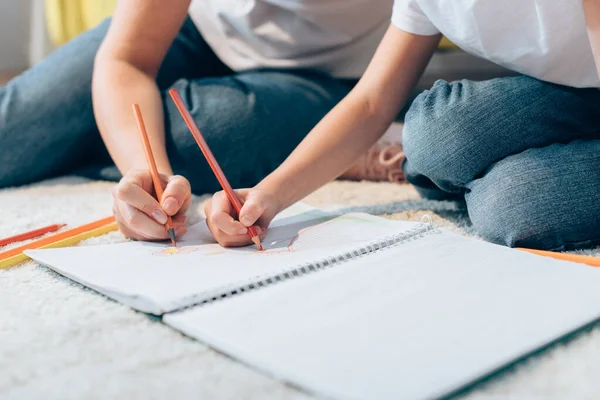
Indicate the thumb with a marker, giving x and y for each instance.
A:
(176, 196)
(252, 210)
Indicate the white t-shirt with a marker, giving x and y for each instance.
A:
(337, 37)
(545, 39)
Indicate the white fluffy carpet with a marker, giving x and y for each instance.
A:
(59, 340)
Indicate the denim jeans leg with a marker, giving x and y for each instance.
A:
(455, 131)
(251, 120)
(545, 198)
(47, 124)
(521, 152)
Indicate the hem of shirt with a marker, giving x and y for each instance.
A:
(414, 27)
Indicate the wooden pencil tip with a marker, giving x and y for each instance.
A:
(171, 233)
(256, 241)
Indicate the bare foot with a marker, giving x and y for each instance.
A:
(383, 161)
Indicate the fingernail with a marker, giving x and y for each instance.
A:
(159, 216)
(242, 231)
(171, 205)
(246, 220)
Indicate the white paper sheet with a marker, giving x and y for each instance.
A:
(415, 321)
(155, 278)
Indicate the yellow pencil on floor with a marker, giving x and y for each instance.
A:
(63, 239)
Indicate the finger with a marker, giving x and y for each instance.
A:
(220, 203)
(225, 223)
(128, 232)
(179, 224)
(176, 195)
(131, 193)
(220, 216)
(140, 223)
(179, 220)
(123, 226)
(252, 210)
(233, 241)
(141, 177)
(180, 231)
(262, 232)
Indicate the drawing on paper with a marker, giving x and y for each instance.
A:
(285, 239)
(173, 251)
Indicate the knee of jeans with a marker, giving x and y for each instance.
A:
(517, 210)
(436, 129)
(504, 218)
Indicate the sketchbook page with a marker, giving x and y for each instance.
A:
(156, 278)
(416, 321)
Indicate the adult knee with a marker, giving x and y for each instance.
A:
(438, 127)
(523, 204)
(506, 214)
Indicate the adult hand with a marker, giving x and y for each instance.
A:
(139, 214)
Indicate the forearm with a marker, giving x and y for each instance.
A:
(116, 86)
(358, 121)
(332, 146)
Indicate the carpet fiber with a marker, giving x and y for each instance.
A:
(59, 340)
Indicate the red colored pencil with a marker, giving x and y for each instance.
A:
(153, 170)
(31, 234)
(212, 161)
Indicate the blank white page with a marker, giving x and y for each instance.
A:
(415, 321)
(150, 277)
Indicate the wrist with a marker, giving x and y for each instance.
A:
(281, 193)
(162, 165)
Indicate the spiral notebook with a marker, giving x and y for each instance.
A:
(156, 278)
(351, 306)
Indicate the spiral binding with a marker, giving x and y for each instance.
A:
(425, 227)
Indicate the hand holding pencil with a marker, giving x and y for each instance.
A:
(233, 198)
(259, 209)
(141, 216)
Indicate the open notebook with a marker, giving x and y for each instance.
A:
(352, 306)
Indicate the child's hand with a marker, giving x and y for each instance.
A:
(139, 214)
(259, 209)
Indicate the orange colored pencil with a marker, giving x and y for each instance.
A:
(212, 161)
(56, 237)
(153, 170)
(31, 234)
(589, 260)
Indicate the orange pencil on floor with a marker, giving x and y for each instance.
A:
(153, 170)
(589, 260)
(212, 161)
(31, 234)
(61, 239)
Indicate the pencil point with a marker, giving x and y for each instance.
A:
(256, 241)
(171, 233)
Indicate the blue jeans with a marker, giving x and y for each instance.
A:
(522, 153)
(252, 120)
